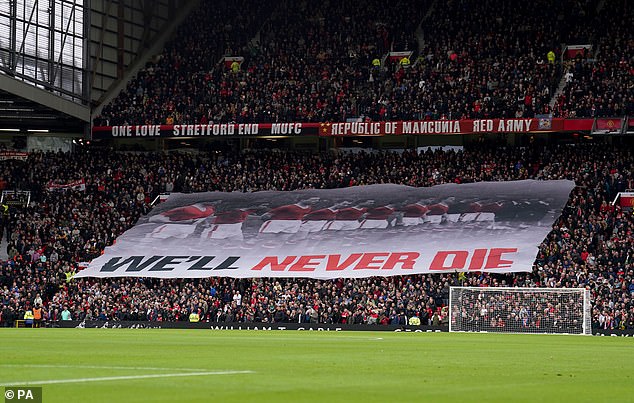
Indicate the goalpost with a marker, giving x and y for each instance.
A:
(520, 310)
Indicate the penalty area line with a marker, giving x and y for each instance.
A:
(123, 378)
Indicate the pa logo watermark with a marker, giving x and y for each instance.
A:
(23, 394)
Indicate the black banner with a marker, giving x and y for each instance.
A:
(314, 327)
(311, 327)
(613, 332)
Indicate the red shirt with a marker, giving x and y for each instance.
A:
(350, 213)
(479, 207)
(438, 209)
(321, 214)
(414, 210)
(289, 212)
(189, 213)
(379, 213)
(231, 217)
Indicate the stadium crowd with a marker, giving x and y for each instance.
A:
(306, 65)
(590, 246)
(467, 71)
(316, 61)
(174, 83)
(602, 84)
(313, 61)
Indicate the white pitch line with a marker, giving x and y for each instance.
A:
(122, 378)
(100, 367)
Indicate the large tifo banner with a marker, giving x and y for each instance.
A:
(377, 230)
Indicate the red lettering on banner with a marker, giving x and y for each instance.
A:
(478, 259)
(274, 263)
(333, 261)
(304, 263)
(406, 259)
(368, 259)
(495, 261)
(458, 262)
(365, 261)
(459, 259)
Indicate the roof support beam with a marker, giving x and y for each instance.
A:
(157, 44)
(53, 101)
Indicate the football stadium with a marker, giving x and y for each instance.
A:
(301, 200)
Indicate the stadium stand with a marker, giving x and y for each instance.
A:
(314, 61)
(600, 83)
(589, 246)
(326, 72)
(310, 60)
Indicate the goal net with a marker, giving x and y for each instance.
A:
(520, 310)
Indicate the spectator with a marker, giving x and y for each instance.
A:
(590, 245)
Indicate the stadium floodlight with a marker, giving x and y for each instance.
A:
(520, 310)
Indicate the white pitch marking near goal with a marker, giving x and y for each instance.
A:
(101, 367)
(123, 378)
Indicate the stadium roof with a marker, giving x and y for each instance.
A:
(55, 72)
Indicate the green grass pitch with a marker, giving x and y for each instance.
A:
(154, 365)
